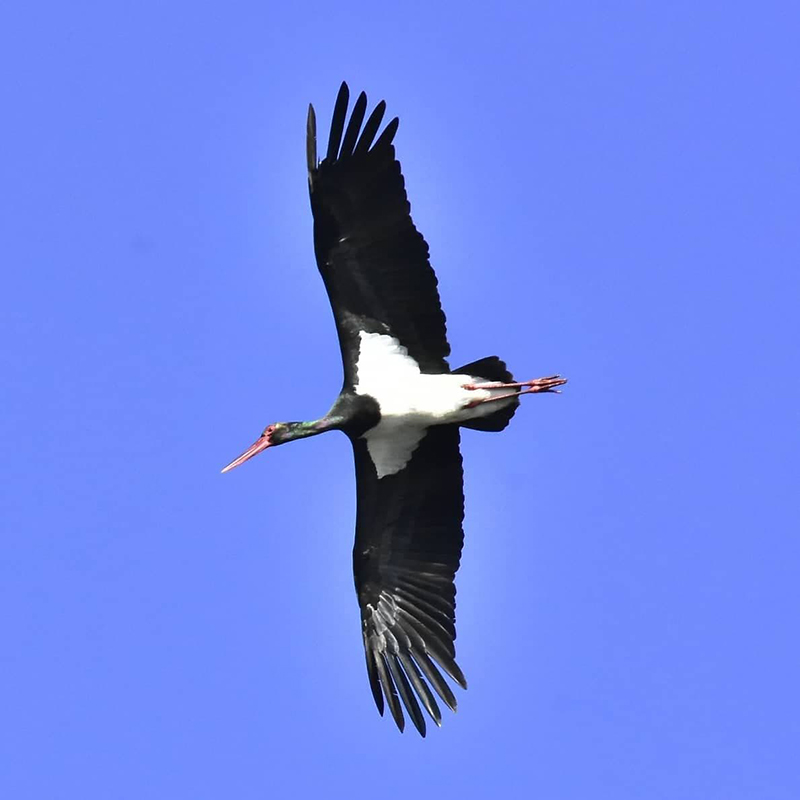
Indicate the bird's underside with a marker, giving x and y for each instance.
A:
(402, 408)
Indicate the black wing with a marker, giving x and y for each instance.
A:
(407, 551)
(373, 260)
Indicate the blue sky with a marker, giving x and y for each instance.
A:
(609, 190)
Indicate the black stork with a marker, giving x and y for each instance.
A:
(401, 406)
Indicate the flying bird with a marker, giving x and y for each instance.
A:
(402, 408)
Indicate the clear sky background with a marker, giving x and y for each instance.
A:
(610, 190)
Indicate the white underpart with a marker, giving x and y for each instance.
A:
(410, 401)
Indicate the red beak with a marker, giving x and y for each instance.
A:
(262, 443)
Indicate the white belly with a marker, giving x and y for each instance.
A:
(410, 401)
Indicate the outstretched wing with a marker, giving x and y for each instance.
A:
(373, 260)
(407, 551)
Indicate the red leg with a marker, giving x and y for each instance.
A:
(536, 386)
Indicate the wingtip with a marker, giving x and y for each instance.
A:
(354, 126)
(311, 140)
(389, 132)
(337, 122)
(457, 675)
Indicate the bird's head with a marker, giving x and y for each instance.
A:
(275, 434)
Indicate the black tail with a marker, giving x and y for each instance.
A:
(490, 368)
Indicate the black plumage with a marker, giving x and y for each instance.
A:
(409, 526)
